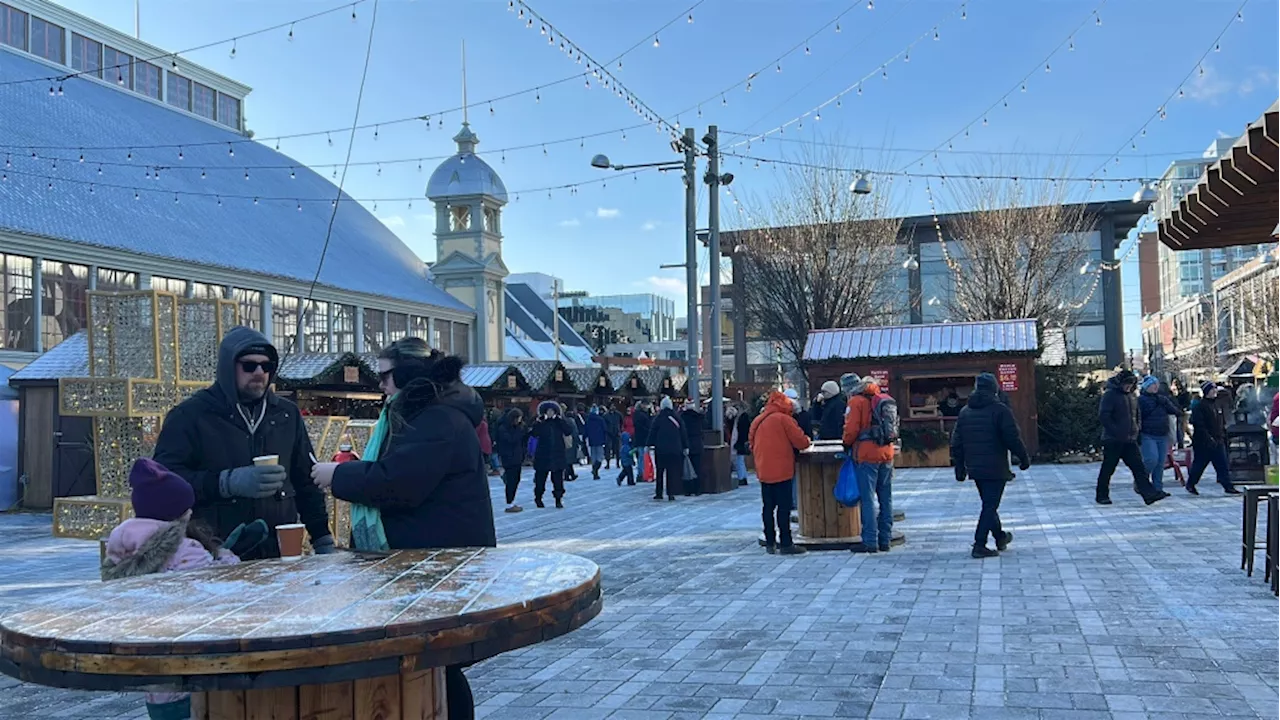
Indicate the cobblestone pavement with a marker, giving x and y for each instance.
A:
(1121, 612)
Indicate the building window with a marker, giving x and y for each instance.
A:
(86, 55)
(117, 67)
(171, 285)
(116, 280)
(420, 327)
(397, 326)
(205, 291)
(48, 41)
(202, 101)
(459, 217)
(442, 339)
(16, 326)
(491, 219)
(178, 92)
(147, 79)
(284, 322)
(64, 289)
(229, 110)
(462, 340)
(375, 330)
(250, 304)
(315, 326)
(13, 27)
(344, 328)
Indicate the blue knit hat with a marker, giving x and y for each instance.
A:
(1148, 381)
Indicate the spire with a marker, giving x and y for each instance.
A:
(464, 81)
(466, 139)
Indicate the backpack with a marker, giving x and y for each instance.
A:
(884, 421)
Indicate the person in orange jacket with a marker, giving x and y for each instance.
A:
(874, 464)
(775, 436)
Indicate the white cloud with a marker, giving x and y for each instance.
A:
(393, 222)
(670, 286)
(608, 213)
(650, 225)
(1210, 86)
(571, 222)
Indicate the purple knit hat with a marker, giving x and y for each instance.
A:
(159, 493)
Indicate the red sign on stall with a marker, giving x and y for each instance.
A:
(882, 379)
(1008, 377)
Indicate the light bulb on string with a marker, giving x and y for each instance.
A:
(491, 110)
(537, 96)
(748, 86)
(778, 67)
(1024, 87)
(202, 174)
(906, 56)
(984, 122)
(82, 156)
(290, 32)
(1046, 68)
(724, 100)
(884, 72)
(1181, 94)
(806, 50)
(231, 151)
(542, 30)
(690, 18)
(1217, 47)
(99, 169)
(246, 174)
(129, 156)
(529, 23)
(936, 36)
(233, 49)
(837, 27)
(859, 89)
(964, 14)
(1071, 45)
(817, 116)
(1097, 19)
(353, 19)
(299, 207)
(1240, 16)
(871, 4)
(656, 42)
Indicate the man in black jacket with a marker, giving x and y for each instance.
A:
(670, 447)
(984, 435)
(212, 437)
(691, 419)
(642, 420)
(834, 404)
(1209, 441)
(613, 436)
(1118, 412)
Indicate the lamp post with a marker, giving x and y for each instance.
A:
(689, 165)
(714, 180)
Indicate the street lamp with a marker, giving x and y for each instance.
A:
(1145, 194)
(861, 186)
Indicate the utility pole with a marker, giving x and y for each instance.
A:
(713, 224)
(691, 258)
(555, 315)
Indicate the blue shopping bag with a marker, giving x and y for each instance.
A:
(846, 490)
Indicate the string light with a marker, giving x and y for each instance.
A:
(233, 49)
(656, 42)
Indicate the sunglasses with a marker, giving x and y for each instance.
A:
(251, 366)
(385, 375)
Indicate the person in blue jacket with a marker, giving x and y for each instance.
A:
(596, 433)
(626, 460)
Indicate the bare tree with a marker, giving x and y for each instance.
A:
(1259, 304)
(1017, 249)
(818, 256)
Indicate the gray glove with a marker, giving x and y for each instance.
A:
(254, 481)
(324, 545)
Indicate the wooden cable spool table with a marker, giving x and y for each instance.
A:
(824, 523)
(333, 637)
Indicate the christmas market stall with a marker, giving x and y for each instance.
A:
(332, 384)
(930, 370)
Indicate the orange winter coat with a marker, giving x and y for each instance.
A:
(858, 419)
(775, 436)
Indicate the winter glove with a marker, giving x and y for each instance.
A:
(1024, 464)
(253, 481)
(324, 545)
(246, 538)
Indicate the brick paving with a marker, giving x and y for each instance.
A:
(1120, 613)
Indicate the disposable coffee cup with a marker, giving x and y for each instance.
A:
(267, 460)
(290, 539)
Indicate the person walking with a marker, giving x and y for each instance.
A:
(775, 437)
(691, 419)
(486, 444)
(512, 440)
(834, 402)
(1118, 412)
(612, 436)
(642, 421)
(626, 460)
(1209, 441)
(549, 433)
(1155, 409)
(670, 447)
(597, 434)
(739, 442)
(573, 446)
(985, 434)
(1182, 398)
(869, 425)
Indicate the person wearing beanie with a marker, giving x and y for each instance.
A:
(550, 432)
(212, 438)
(1121, 422)
(874, 464)
(834, 404)
(670, 447)
(848, 383)
(1154, 410)
(984, 436)
(1209, 442)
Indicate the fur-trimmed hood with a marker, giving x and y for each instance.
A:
(142, 546)
(440, 382)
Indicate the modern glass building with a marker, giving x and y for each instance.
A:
(660, 312)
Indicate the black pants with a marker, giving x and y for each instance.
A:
(776, 498)
(511, 479)
(612, 448)
(1201, 457)
(629, 474)
(1131, 454)
(462, 705)
(693, 487)
(669, 468)
(989, 519)
(540, 483)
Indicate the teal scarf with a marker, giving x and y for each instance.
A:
(367, 532)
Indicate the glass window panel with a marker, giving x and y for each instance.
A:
(315, 326)
(13, 27)
(48, 41)
(178, 91)
(86, 55)
(202, 101)
(229, 110)
(116, 280)
(442, 339)
(397, 326)
(462, 340)
(63, 289)
(250, 305)
(284, 322)
(205, 291)
(147, 79)
(172, 285)
(117, 67)
(375, 331)
(16, 325)
(420, 327)
(344, 328)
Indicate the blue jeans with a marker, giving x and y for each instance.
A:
(875, 482)
(1154, 451)
(740, 466)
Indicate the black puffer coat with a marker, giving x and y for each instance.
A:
(1207, 421)
(666, 435)
(430, 479)
(831, 423)
(1118, 411)
(692, 422)
(984, 435)
(743, 446)
(1155, 410)
(551, 431)
(510, 440)
(643, 421)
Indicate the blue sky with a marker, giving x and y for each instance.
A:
(612, 238)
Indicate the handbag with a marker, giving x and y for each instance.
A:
(648, 472)
(689, 473)
(846, 489)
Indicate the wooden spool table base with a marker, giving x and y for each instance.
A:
(411, 696)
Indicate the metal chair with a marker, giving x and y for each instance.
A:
(1253, 496)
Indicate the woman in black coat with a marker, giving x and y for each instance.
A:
(510, 440)
(670, 446)
(549, 458)
(692, 421)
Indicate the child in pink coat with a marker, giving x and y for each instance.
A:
(161, 538)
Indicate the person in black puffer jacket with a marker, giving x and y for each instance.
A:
(984, 435)
(834, 404)
(738, 437)
(1209, 441)
(692, 421)
(643, 421)
(511, 440)
(549, 456)
(1118, 412)
(667, 438)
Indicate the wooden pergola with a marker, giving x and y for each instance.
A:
(1234, 203)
